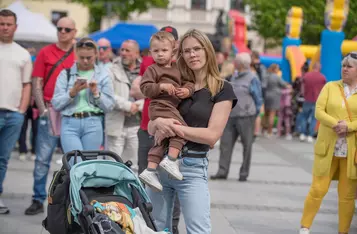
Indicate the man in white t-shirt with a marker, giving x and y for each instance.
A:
(15, 91)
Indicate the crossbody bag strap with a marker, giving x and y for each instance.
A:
(346, 103)
(350, 117)
(55, 66)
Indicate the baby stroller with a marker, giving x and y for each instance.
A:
(73, 189)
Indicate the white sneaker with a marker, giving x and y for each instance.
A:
(22, 157)
(33, 157)
(302, 137)
(171, 167)
(288, 137)
(59, 161)
(3, 208)
(304, 231)
(151, 179)
(310, 139)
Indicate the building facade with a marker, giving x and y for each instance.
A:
(187, 14)
(55, 9)
(182, 14)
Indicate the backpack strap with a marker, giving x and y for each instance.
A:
(68, 70)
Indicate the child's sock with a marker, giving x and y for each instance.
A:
(171, 158)
(151, 169)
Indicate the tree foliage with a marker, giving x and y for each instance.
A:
(121, 8)
(269, 17)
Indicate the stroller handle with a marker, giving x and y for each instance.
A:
(88, 155)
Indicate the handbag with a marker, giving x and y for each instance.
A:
(349, 116)
(54, 117)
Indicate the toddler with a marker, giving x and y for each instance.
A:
(163, 84)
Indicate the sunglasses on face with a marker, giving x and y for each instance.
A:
(85, 44)
(66, 30)
(103, 47)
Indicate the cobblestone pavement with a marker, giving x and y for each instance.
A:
(270, 202)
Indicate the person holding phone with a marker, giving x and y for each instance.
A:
(83, 94)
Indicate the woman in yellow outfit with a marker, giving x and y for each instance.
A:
(335, 147)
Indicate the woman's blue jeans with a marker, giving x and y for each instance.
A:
(192, 192)
(81, 133)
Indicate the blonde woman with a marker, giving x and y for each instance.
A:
(83, 94)
(335, 147)
(206, 113)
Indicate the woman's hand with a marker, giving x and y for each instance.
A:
(77, 87)
(341, 128)
(94, 88)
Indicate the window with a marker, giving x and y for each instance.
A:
(198, 4)
(56, 15)
(237, 5)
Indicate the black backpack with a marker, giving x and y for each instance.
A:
(59, 218)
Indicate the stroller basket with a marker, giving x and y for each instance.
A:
(73, 188)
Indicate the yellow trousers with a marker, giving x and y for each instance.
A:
(346, 196)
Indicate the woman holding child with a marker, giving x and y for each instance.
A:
(205, 112)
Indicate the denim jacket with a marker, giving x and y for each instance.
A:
(63, 102)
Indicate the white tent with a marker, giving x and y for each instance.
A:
(32, 26)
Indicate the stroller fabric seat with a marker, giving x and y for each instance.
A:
(102, 173)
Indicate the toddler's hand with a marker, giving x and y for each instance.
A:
(169, 88)
(182, 93)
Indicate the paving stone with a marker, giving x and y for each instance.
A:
(270, 202)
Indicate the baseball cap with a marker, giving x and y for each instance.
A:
(171, 30)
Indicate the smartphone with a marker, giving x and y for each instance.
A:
(82, 80)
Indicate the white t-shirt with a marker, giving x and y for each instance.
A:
(15, 70)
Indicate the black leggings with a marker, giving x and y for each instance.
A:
(23, 136)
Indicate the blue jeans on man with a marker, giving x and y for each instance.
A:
(307, 119)
(10, 128)
(45, 147)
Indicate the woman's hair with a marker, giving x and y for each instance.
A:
(213, 79)
(163, 35)
(273, 68)
(350, 59)
(87, 43)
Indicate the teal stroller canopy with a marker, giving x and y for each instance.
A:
(102, 173)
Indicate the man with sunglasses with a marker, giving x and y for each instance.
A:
(105, 53)
(51, 60)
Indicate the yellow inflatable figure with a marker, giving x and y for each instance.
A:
(336, 14)
(294, 22)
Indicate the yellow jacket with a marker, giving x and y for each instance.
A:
(330, 109)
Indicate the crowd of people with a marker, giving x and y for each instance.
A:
(166, 110)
